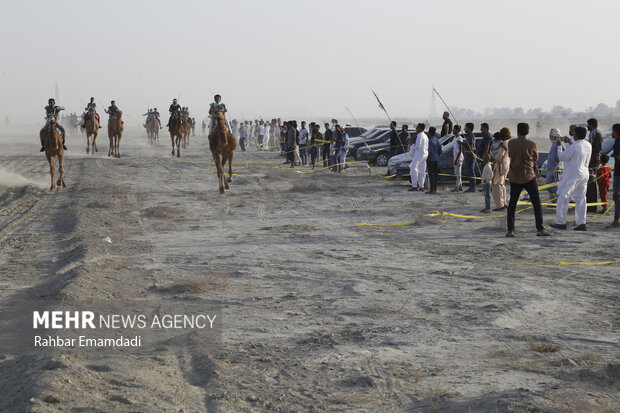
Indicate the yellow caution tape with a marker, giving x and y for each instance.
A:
(432, 214)
(566, 263)
(256, 175)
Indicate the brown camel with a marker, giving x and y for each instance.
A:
(222, 144)
(152, 131)
(115, 131)
(187, 128)
(52, 143)
(92, 129)
(176, 133)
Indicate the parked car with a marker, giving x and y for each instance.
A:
(399, 164)
(354, 131)
(379, 153)
(379, 136)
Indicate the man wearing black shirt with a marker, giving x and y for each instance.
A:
(327, 138)
(403, 137)
(596, 140)
(394, 140)
(485, 143)
(446, 129)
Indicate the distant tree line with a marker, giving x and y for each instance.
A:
(601, 110)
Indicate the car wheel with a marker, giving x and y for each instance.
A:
(382, 159)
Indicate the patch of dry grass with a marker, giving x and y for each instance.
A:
(591, 356)
(542, 347)
(580, 403)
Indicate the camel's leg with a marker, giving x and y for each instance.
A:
(172, 138)
(118, 146)
(178, 146)
(95, 144)
(50, 160)
(61, 169)
(230, 168)
(111, 149)
(87, 143)
(220, 171)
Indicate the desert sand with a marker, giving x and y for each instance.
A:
(318, 314)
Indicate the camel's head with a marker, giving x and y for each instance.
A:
(51, 119)
(219, 116)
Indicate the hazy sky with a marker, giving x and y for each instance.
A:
(308, 58)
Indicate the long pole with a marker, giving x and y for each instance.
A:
(454, 117)
(383, 107)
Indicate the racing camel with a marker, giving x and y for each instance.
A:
(187, 124)
(222, 144)
(152, 131)
(92, 129)
(52, 143)
(176, 128)
(115, 131)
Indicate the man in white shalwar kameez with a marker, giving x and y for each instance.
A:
(574, 182)
(419, 153)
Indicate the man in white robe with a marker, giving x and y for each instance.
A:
(574, 181)
(419, 153)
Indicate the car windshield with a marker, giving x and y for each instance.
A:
(369, 133)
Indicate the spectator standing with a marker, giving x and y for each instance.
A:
(345, 149)
(419, 154)
(487, 178)
(457, 157)
(394, 140)
(303, 142)
(523, 171)
(243, 135)
(553, 163)
(615, 133)
(499, 153)
(574, 182)
(315, 143)
(446, 128)
(432, 162)
(338, 146)
(469, 161)
(603, 178)
(596, 141)
(485, 143)
(327, 141)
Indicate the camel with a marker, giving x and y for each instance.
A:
(222, 144)
(187, 128)
(115, 131)
(176, 131)
(52, 143)
(152, 131)
(92, 128)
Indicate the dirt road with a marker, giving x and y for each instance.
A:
(318, 314)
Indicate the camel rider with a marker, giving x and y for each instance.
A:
(52, 110)
(155, 115)
(112, 110)
(175, 108)
(214, 108)
(148, 115)
(91, 108)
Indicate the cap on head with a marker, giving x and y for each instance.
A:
(554, 134)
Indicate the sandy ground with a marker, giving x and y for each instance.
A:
(318, 314)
